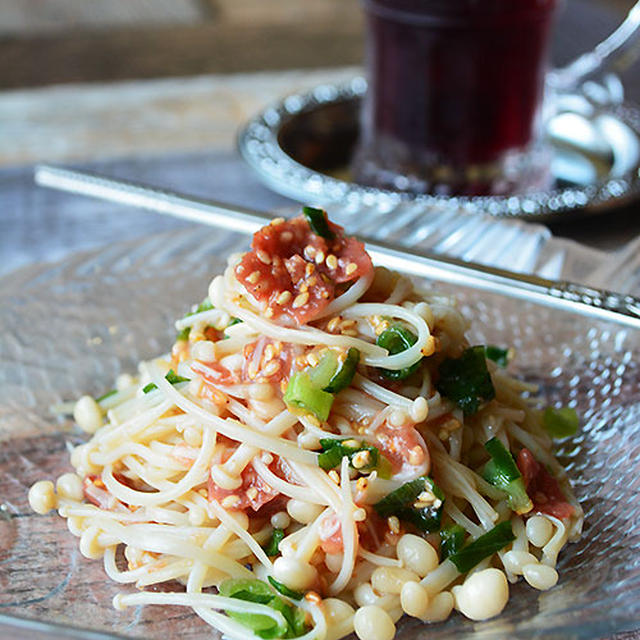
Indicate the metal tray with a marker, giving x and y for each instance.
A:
(301, 147)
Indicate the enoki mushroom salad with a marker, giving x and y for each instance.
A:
(321, 452)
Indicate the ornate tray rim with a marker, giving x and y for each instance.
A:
(259, 146)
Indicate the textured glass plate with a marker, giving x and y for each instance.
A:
(70, 328)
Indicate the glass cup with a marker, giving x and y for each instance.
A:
(455, 96)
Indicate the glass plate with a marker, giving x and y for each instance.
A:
(70, 328)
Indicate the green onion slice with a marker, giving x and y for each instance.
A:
(560, 423)
(259, 592)
(294, 624)
(172, 377)
(331, 374)
(502, 472)
(184, 334)
(419, 502)
(107, 395)
(284, 590)
(466, 380)
(317, 219)
(451, 540)
(301, 394)
(397, 339)
(499, 355)
(333, 450)
(483, 547)
(272, 548)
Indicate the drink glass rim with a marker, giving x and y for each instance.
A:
(455, 13)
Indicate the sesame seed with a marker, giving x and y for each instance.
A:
(269, 353)
(351, 267)
(361, 459)
(309, 252)
(263, 256)
(276, 221)
(268, 312)
(324, 294)
(304, 287)
(230, 501)
(272, 368)
(352, 333)
(252, 370)
(309, 269)
(253, 277)
(284, 297)
(319, 257)
(394, 524)
(332, 261)
(300, 300)
(382, 327)
(429, 347)
(333, 324)
(426, 496)
(333, 474)
(312, 281)
(362, 484)
(252, 493)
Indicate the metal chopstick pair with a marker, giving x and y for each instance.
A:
(572, 297)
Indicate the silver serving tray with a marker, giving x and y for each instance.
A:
(301, 147)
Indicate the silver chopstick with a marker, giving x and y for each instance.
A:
(576, 298)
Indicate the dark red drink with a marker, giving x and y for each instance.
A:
(455, 90)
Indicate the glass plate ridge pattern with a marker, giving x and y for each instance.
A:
(70, 328)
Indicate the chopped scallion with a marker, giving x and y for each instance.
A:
(317, 219)
(397, 339)
(362, 456)
(451, 540)
(560, 423)
(293, 618)
(499, 355)
(284, 590)
(331, 374)
(172, 377)
(466, 380)
(301, 394)
(106, 395)
(502, 472)
(419, 502)
(272, 548)
(184, 334)
(483, 547)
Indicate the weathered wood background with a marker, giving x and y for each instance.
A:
(52, 41)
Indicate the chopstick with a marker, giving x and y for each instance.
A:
(572, 297)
